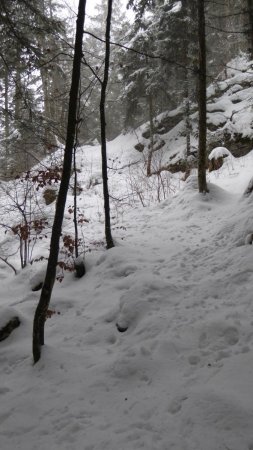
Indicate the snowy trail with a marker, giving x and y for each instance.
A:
(179, 281)
(182, 287)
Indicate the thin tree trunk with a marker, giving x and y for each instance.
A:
(50, 139)
(41, 311)
(108, 234)
(202, 98)
(75, 203)
(6, 119)
(188, 127)
(18, 97)
(6, 106)
(186, 93)
(187, 115)
(151, 127)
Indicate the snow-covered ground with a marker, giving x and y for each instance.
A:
(180, 280)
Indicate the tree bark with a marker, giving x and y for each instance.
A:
(202, 98)
(75, 203)
(250, 10)
(41, 311)
(108, 234)
(186, 91)
(6, 119)
(187, 115)
(6, 106)
(151, 127)
(19, 94)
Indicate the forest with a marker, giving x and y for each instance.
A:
(126, 224)
(154, 68)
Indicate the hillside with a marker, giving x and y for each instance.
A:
(179, 282)
(229, 120)
(151, 347)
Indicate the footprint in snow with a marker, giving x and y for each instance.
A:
(176, 404)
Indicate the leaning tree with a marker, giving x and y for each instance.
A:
(42, 308)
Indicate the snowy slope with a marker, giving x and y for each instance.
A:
(229, 118)
(180, 280)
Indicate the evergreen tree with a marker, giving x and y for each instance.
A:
(168, 34)
(227, 32)
(23, 60)
(93, 74)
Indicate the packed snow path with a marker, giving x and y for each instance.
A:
(181, 376)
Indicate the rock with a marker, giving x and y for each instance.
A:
(9, 327)
(139, 147)
(215, 164)
(248, 239)
(216, 158)
(237, 144)
(158, 144)
(249, 189)
(37, 276)
(182, 165)
(79, 268)
(37, 287)
(120, 328)
(49, 196)
(165, 124)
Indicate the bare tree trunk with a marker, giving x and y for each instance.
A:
(151, 127)
(75, 203)
(186, 88)
(108, 234)
(6, 105)
(54, 104)
(250, 10)
(18, 96)
(41, 311)
(202, 98)
(187, 116)
(6, 119)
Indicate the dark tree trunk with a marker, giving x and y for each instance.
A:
(250, 10)
(187, 115)
(6, 120)
(75, 204)
(188, 62)
(108, 234)
(6, 106)
(202, 98)
(41, 311)
(151, 127)
(188, 128)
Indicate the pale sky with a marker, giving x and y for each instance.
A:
(90, 6)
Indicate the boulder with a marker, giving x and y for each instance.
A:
(6, 330)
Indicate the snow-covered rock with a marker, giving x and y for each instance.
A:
(219, 152)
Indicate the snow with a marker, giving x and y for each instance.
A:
(179, 281)
(219, 152)
(229, 113)
(177, 7)
(152, 348)
(229, 105)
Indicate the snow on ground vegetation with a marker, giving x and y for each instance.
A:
(179, 282)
